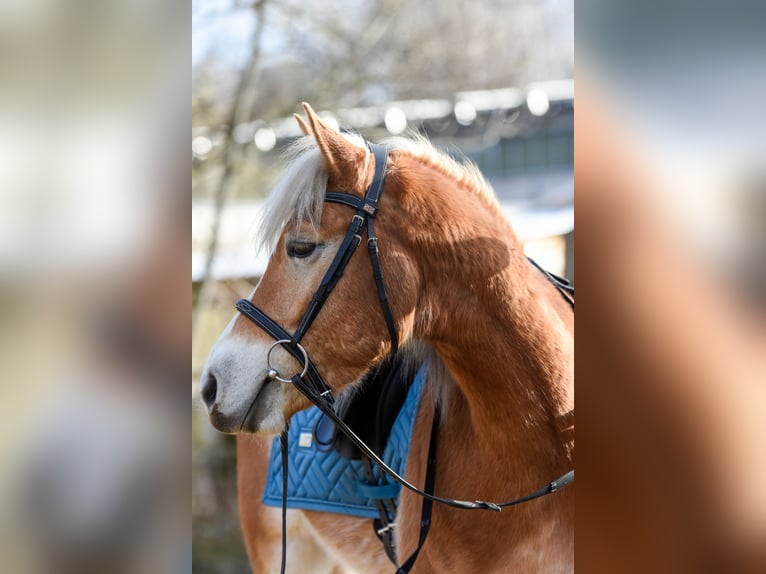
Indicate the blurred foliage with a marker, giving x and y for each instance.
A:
(217, 540)
(343, 53)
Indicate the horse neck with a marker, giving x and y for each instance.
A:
(499, 328)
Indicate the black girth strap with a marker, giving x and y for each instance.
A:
(427, 504)
(384, 525)
(283, 446)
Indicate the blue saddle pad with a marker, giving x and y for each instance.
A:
(326, 481)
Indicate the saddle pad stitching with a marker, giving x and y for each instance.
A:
(325, 481)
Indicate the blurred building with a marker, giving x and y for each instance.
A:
(521, 139)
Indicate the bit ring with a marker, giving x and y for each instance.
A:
(273, 373)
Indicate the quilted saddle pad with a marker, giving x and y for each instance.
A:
(326, 481)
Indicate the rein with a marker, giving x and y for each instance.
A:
(311, 384)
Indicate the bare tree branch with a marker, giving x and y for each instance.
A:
(240, 111)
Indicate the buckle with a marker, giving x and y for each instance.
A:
(390, 526)
(360, 218)
(369, 209)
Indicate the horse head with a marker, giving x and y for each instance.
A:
(304, 234)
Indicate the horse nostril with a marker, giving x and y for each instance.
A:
(209, 390)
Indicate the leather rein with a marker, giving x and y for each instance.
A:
(311, 384)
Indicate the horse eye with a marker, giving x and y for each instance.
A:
(300, 249)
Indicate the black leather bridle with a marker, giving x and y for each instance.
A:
(312, 385)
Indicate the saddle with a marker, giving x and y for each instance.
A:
(372, 409)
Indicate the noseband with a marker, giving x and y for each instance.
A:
(312, 385)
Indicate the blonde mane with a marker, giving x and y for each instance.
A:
(464, 173)
(299, 196)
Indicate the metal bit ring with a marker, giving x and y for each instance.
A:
(273, 373)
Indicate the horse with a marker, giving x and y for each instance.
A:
(457, 282)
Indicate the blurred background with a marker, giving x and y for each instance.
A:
(489, 80)
(95, 197)
(94, 322)
(671, 211)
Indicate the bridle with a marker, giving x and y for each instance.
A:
(311, 384)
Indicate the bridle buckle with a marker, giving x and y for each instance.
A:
(359, 218)
(386, 529)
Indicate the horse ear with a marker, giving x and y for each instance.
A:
(340, 157)
(303, 125)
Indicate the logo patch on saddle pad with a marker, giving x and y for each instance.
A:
(324, 480)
